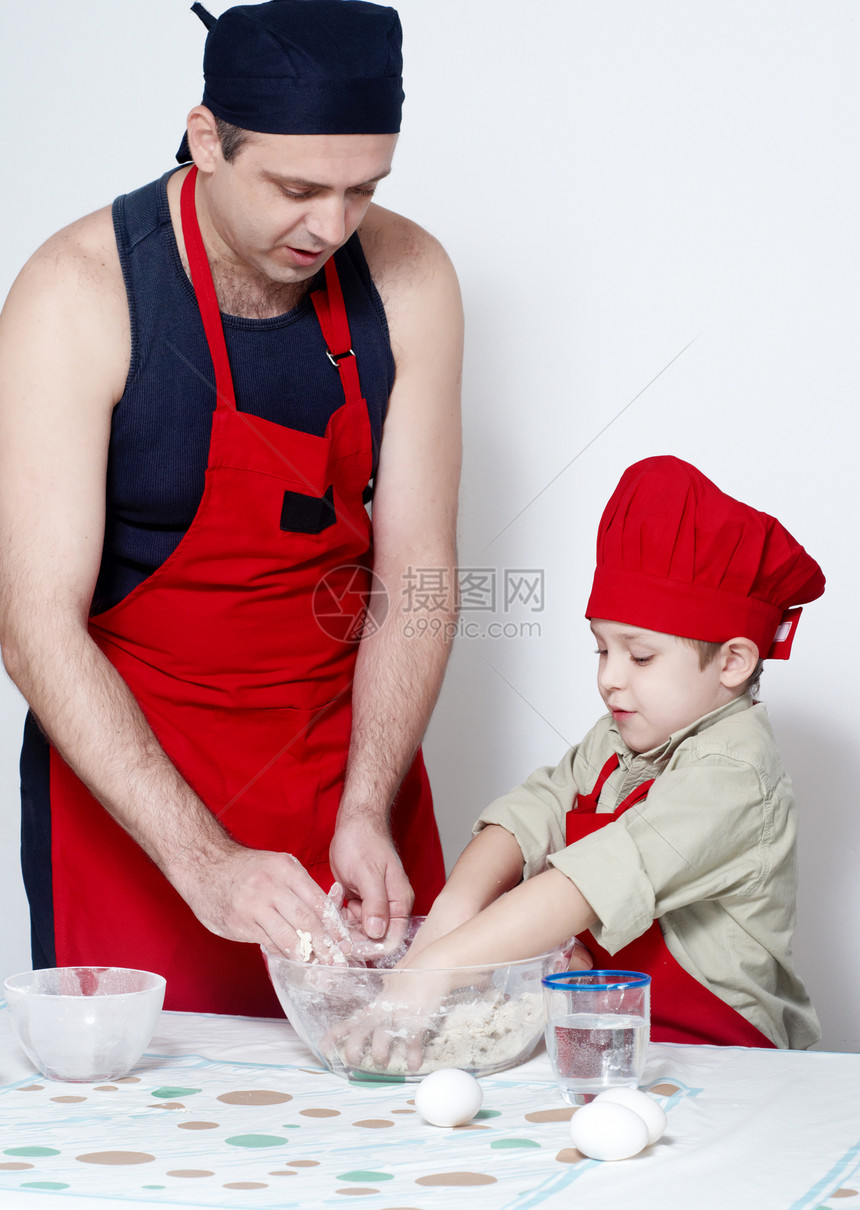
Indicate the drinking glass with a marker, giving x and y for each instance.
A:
(597, 1030)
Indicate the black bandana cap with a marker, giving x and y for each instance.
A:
(303, 67)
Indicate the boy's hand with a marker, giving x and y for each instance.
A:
(390, 1034)
(411, 1008)
(580, 957)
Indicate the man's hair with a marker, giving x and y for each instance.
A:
(232, 138)
(708, 652)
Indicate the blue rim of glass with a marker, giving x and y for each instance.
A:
(614, 980)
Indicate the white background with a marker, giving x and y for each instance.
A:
(653, 209)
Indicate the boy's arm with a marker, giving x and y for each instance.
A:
(490, 865)
(512, 840)
(534, 917)
(534, 813)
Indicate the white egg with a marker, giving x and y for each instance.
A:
(448, 1097)
(653, 1114)
(605, 1131)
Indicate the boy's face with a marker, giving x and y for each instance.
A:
(652, 683)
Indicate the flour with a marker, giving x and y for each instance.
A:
(337, 933)
(335, 924)
(491, 1033)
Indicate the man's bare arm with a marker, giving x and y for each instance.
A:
(64, 352)
(400, 667)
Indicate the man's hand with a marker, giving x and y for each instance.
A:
(253, 895)
(364, 860)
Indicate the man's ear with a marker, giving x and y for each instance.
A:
(738, 660)
(203, 138)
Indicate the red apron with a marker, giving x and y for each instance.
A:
(682, 1009)
(248, 695)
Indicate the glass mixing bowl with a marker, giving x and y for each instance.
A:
(377, 1023)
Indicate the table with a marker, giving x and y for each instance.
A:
(231, 1112)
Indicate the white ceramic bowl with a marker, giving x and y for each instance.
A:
(376, 1023)
(84, 1023)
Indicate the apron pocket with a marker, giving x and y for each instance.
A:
(302, 514)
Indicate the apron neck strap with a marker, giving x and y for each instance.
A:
(588, 802)
(634, 797)
(204, 288)
(331, 313)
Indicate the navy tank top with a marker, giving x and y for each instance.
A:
(159, 439)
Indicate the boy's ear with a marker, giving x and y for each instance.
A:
(738, 661)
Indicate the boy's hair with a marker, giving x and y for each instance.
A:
(708, 652)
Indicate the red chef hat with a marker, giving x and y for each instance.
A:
(676, 554)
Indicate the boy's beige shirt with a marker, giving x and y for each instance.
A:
(710, 852)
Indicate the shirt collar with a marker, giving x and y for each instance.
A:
(660, 754)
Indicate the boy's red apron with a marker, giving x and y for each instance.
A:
(682, 1009)
(247, 692)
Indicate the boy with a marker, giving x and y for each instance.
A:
(669, 832)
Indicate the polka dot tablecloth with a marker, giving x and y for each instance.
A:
(230, 1112)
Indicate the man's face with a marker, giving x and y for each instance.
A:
(652, 683)
(287, 202)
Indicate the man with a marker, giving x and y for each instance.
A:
(215, 350)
